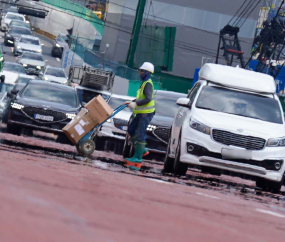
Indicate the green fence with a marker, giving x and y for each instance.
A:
(96, 60)
(78, 11)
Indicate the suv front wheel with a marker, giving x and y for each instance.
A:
(270, 186)
(179, 168)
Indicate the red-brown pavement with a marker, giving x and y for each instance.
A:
(45, 199)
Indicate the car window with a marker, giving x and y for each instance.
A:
(55, 72)
(86, 95)
(31, 56)
(20, 31)
(29, 41)
(116, 102)
(192, 94)
(239, 103)
(163, 101)
(51, 93)
(14, 68)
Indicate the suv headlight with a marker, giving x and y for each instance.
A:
(19, 47)
(277, 142)
(25, 65)
(1, 58)
(39, 51)
(194, 124)
(38, 67)
(17, 106)
(57, 45)
(70, 115)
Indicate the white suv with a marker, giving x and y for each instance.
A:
(231, 120)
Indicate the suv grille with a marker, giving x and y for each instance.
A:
(247, 142)
(162, 133)
(120, 122)
(58, 116)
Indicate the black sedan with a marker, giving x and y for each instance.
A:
(14, 34)
(58, 44)
(158, 130)
(42, 105)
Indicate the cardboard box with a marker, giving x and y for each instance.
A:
(99, 109)
(94, 113)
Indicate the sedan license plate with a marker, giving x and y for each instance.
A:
(235, 154)
(43, 117)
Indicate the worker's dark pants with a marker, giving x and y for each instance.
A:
(139, 125)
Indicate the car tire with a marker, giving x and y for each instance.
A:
(270, 186)
(168, 162)
(211, 170)
(126, 147)
(13, 129)
(179, 168)
(52, 52)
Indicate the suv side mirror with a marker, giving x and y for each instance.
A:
(183, 102)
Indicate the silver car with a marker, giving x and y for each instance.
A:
(27, 43)
(9, 17)
(33, 63)
(54, 74)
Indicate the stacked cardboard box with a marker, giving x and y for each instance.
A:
(95, 112)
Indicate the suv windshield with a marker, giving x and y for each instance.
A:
(30, 41)
(86, 95)
(23, 80)
(19, 24)
(16, 17)
(165, 106)
(30, 56)
(55, 72)
(239, 103)
(51, 93)
(14, 68)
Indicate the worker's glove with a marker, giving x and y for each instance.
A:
(132, 105)
(127, 102)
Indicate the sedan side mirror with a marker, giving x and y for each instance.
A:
(183, 102)
(2, 78)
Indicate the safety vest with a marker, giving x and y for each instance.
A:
(149, 107)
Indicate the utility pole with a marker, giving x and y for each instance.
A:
(135, 33)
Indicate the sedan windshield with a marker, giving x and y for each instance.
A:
(62, 38)
(16, 17)
(55, 72)
(51, 93)
(165, 106)
(86, 95)
(20, 31)
(19, 24)
(14, 68)
(239, 103)
(30, 41)
(23, 80)
(116, 102)
(32, 56)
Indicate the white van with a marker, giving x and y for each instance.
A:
(231, 120)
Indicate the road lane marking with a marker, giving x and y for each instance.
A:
(206, 195)
(159, 181)
(270, 213)
(58, 59)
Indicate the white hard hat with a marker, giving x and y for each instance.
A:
(147, 66)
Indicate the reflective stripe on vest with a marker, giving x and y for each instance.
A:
(149, 107)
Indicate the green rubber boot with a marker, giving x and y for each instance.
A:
(133, 141)
(135, 162)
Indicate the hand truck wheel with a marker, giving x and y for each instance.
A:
(86, 147)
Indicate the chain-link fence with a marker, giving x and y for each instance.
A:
(97, 60)
(78, 11)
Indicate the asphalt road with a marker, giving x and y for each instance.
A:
(49, 194)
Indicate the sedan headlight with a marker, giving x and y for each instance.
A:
(65, 82)
(38, 67)
(70, 115)
(2, 58)
(25, 65)
(194, 124)
(151, 127)
(57, 45)
(277, 142)
(46, 78)
(39, 51)
(17, 106)
(19, 47)
(11, 42)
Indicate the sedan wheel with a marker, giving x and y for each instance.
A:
(168, 161)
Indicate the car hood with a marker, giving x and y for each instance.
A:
(44, 104)
(10, 77)
(239, 124)
(29, 46)
(159, 120)
(61, 80)
(32, 62)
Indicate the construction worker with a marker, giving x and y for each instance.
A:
(144, 109)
